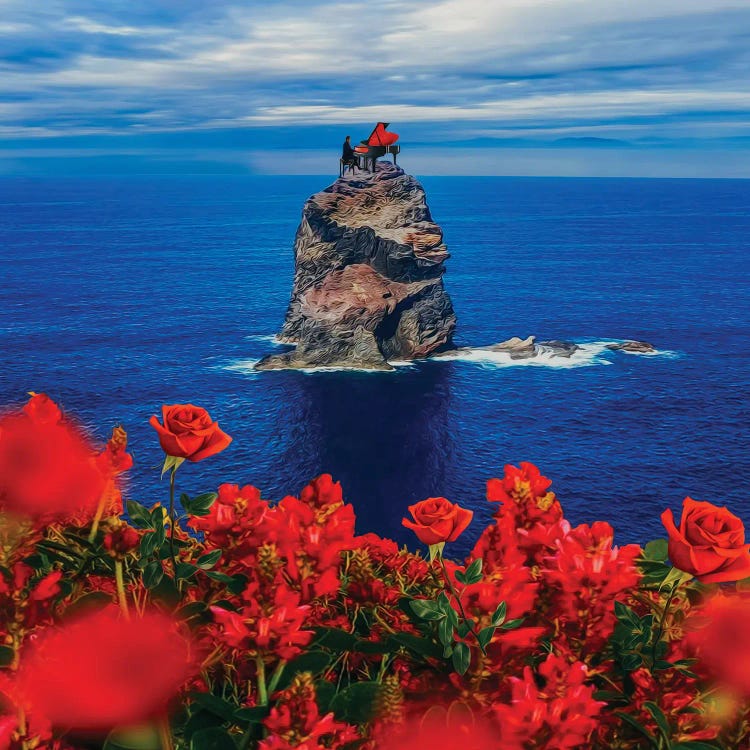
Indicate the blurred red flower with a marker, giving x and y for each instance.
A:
(48, 467)
(102, 670)
(437, 520)
(189, 432)
(720, 636)
(710, 543)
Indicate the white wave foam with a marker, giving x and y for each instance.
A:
(587, 355)
(244, 366)
(665, 353)
(266, 339)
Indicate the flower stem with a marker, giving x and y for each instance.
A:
(453, 591)
(262, 691)
(172, 522)
(121, 598)
(165, 734)
(662, 623)
(98, 516)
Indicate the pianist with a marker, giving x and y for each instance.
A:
(348, 156)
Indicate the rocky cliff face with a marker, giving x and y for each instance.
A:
(368, 281)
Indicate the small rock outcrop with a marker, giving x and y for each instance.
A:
(368, 281)
(634, 347)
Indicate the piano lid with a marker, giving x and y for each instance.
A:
(380, 136)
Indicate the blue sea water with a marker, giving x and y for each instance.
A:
(118, 294)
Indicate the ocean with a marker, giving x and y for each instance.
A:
(119, 294)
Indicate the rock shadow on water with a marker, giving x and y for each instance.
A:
(387, 440)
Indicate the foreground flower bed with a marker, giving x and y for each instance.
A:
(245, 624)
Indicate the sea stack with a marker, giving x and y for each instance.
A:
(368, 279)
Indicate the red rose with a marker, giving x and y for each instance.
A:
(437, 520)
(710, 543)
(188, 432)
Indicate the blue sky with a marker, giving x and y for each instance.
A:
(589, 87)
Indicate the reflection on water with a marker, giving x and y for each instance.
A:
(385, 438)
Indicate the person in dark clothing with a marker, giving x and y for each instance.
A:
(347, 155)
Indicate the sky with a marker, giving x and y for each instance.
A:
(536, 87)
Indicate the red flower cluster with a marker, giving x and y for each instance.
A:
(559, 715)
(272, 626)
(295, 722)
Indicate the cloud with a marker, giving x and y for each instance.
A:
(642, 69)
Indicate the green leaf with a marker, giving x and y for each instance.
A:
(675, 577)
(213, 738)
(659, 718)
(474, 571)
(460, 577)
(139, 516)
(445, 632)
(191, 611)
(218, 576)
(461, 658)
(133, 738)
(485, 635)
(87, 603)
(149, 542)
(656, 550)
(636, 725)
(152, 575)
(436, 550)
(420, 646)
(171, 463)
(185, 570)
(253, 715)
(426, 609)
(324, 693)
(200, 719)
(626, 615)
(513, 624)
(166, 592)
(694, 745)
(238, 584)
(335, 639)
(312, 661)
(217, 706)
(444, 603)
(200, 505)
(207, 561)
(611, 696)
(355, 704)
(499, 617)
(7, 655)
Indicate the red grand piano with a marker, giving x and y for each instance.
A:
(380, 143)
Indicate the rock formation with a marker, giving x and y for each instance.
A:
(634, 347)
(368, 281)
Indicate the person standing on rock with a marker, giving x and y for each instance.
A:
(348, 155)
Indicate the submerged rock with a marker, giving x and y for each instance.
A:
(368, 286)
(634, 347)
